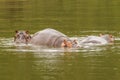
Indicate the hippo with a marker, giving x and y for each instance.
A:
(47, 37)
(101, 40)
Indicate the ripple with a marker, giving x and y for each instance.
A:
(8, 45)
(118, 39)
(6, 42)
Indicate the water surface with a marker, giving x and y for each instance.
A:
(75, 18)
(28, 62)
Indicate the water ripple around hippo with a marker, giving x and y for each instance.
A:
(8, 44)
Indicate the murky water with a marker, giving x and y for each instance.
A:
(75, 18)
(28, 62)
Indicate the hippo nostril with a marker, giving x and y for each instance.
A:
(21, 33)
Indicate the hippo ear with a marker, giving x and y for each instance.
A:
(64, 40)
(27, 32)
(16, 31)
(100, 34)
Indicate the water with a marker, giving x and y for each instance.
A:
(75, 18)
(28, 62)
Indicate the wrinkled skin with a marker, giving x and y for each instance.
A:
(102, 39)
(48, 37)
(22, 37)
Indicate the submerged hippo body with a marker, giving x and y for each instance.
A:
(48, 37)
(101, 40)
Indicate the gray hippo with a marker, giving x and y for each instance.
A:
(101, 40)
(47, 37)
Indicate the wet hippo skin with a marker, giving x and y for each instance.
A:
(48, 37)
(103, 39)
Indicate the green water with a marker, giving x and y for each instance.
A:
(75, 18)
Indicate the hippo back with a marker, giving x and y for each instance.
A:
(48, 37)
(93, 40)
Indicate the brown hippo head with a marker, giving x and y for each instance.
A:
(22, 36)
(66, 44)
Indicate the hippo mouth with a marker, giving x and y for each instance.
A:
(20, 39)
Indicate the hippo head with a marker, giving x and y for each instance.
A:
(66, 43)
(108, 38)
(22, 37)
